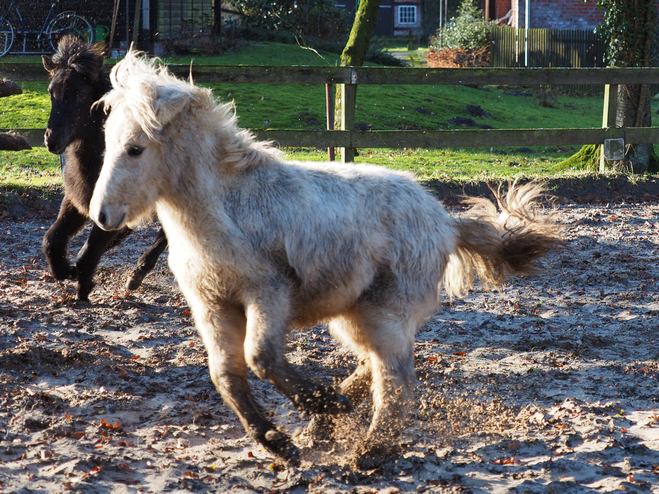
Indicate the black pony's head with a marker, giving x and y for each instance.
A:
(77, 80)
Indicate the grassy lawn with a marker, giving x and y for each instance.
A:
(387, 107)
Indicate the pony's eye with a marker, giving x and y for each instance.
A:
(135, 150)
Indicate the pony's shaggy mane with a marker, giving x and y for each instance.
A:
(74, 53)
(138, 82)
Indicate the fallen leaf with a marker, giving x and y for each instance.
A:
(625, 315)
(548, 314)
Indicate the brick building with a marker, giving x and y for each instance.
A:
(546, 14)
(395, 17)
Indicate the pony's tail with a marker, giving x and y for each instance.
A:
(493, 244)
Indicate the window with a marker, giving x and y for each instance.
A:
(407, 14)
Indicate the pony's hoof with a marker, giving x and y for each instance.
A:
(325, 401)
(343, 404)
(66, 273)
(134, 281)
(83, 292)
(321, 427)
(376, 455)
(281, 446)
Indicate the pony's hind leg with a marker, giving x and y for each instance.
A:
(147, 262)
(385, 334)
(223, 333)
(393, 386)
(356, 387)
(97, 244)
(55, 242)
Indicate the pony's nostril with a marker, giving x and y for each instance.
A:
(102, 218)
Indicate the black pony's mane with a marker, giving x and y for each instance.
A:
(74, 53)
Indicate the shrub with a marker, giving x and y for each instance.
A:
(467, 31)
(458, 58)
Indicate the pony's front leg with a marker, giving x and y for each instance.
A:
(223, 333)
(267, 322)
(97, 244)
(69, 222)
(147, 261)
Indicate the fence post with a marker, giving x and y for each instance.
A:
(348, 100)
(329, 105)
(608, 115)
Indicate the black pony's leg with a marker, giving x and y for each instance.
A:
(98, 242)
(147, 261)
(56, 240)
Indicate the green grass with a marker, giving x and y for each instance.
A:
(455, 164)
(35, 168)
(387, 107)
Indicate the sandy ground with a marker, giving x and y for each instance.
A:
(547, 386)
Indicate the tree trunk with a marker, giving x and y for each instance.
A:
(633, 102)
(355, 50)
(631, 29)
(633, 110)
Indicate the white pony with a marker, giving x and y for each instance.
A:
(260, 246)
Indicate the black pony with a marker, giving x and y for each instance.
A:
(75, 129)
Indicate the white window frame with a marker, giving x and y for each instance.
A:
(406, 12)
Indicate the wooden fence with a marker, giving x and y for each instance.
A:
(512, 47)
(350, 77)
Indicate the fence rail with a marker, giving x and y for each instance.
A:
(380, 75)
(350, 77)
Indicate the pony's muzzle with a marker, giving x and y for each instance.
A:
(108, 220)
(54, 142)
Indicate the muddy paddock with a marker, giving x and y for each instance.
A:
(546, 386)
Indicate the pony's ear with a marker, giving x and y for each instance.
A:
(48, 64)
(169, 102)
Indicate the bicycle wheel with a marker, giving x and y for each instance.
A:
(69, 23)
(6, 37)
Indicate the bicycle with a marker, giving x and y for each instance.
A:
(54, 27)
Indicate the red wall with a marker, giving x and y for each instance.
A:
(564, 14)
(552, 14)
(501, 8)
